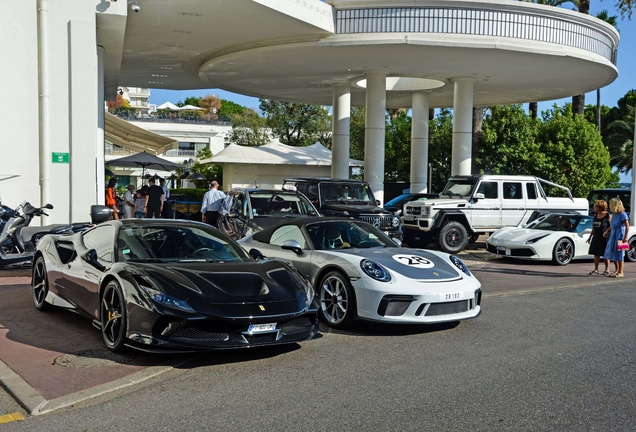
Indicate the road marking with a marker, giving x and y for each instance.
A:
(8, 418)
(541, 290)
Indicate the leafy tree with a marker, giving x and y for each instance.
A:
(621, 141)
(229, 108)
(574, 153)
(210, 171)
(120, 105)
(440, 147)
(293, 123)
(397, 156)
(190, 100)
(508, 143)
(249, 130)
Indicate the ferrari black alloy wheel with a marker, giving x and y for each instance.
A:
(113, 317)
(630, 255)
(563, 252)
(40, 285)
(337, 300)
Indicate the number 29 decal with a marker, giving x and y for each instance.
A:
(413, 261)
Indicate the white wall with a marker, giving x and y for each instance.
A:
(19, 145)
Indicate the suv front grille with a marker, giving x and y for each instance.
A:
(384, 223)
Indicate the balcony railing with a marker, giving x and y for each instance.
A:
(527, 25)
(209, 119)
(115, 151)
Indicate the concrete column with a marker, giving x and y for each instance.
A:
(83, 93)
(462, 127)
(340, 133)
(632, 213)
(99, 150)
(374, 133)
(419, 142)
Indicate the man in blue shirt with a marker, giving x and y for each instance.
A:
(211, 204)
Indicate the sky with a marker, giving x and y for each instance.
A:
(609, 95)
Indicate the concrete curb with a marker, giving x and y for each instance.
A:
(35, 404)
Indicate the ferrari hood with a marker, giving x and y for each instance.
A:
(417, 264)
(517, 235)
(228, 283)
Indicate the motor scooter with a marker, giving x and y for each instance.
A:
(18, 240)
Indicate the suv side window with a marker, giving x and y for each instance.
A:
(239, 205)
(512, 191)
(531, 190)
(312, 192)
(489, 189)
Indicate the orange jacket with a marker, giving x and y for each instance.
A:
(110, 197)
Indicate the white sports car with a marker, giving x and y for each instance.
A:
(560, 238)
(360, 273)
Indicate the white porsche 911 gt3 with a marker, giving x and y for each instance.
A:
(360, 273)
(559, 238)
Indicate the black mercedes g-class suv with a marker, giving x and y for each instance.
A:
(348, 198)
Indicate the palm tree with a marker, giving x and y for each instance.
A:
(621, 141)
(612, 20)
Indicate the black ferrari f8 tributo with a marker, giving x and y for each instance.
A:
(165, 285)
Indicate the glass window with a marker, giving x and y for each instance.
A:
(459, 187)
(489, 189)
(349, 234)
(347, 193)
(531, 190)
(312, 192)
(287, 232)
(102, 239)
(277, 204)
(512, 190)
(162, 243)
(238, 207)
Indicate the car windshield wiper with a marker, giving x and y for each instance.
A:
(145, 260)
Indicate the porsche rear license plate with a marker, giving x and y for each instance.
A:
(257, 328)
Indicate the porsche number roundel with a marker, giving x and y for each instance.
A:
(413, 261)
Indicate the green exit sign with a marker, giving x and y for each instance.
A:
(60, 157)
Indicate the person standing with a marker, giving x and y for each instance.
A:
(111, 197)
(616, 234)
(129, 202)
(154, 200)
(166, 195)
(211, 204)
(140, 202)
(597, 240)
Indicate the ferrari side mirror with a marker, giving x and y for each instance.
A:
(90, 256)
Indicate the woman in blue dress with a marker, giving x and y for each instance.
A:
(617, 234)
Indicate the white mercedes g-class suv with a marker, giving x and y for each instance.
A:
(477, 204)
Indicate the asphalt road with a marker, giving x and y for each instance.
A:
(549, 359)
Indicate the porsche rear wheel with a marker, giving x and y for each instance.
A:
(40, 285)
(337, 300)
(563, 252)
(113, 317)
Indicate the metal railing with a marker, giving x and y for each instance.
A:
(528, 25)
(211, 119)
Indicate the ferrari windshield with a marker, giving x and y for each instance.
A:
(346, 193)
(347, 234)
(567, 223)
(157, 243)
(277, 204)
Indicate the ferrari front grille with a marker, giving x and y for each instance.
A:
(448, 308)
(190, 334)
(295, 326)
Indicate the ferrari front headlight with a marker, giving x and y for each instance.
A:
(536, 239)
(375, 270)
(166, 300)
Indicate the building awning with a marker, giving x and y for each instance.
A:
(126, 135)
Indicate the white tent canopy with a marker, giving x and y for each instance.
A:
(168, 105)
(189, 108)
(276, 153)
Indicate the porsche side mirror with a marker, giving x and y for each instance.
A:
(293, 246)
(256, 254)
(90, 256)
(48, 206)
(398, 241)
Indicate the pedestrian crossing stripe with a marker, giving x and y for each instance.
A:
(8, 418)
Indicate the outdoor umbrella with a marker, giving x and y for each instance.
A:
(144, 160)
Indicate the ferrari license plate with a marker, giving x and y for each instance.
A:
(504, 249)
(258, 328)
